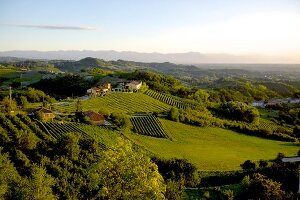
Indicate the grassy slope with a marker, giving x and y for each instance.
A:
(212, 148)
(122, 102)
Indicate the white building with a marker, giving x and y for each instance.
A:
(133, 85)
(258, 104)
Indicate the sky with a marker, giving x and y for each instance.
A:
(262, 27)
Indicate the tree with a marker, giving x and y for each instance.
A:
(248, 165)
(201, 96)
(123, 173)
(39, 185)
(8, 175)
(121, 120)
(174, 189)
(239, 111)
(78, 105)
(174, 114)
(296, 131)
(69, 146)
(24, 102)
(261, 187)
(263, 163)
(27, 140)
(8, 105)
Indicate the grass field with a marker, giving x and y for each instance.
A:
(267, 114)
(121, 102)
(9, 73)
(212, 149)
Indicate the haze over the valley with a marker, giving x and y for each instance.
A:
(179, 58)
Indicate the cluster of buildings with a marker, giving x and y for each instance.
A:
(93, 117)
(120, 86)
(273, 102)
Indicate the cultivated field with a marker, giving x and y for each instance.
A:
(120, 102)
(13, 126)
(171, 100)
(212, 149)
(148, 125)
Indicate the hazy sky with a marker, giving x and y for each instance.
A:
(206, 26)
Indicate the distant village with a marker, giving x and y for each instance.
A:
(274, 102)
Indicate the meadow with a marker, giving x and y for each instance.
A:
(212, 149)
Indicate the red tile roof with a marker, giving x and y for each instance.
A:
(94, 116)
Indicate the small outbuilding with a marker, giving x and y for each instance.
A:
(46, 114)
(95, 117)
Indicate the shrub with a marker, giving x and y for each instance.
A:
(248, 165)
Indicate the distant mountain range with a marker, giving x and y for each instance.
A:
(179, 58)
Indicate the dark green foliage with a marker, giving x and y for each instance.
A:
(175, 189)
(248, 165)
(64, 86)
(177, 169)
(121, 120)
(263, 163)
(238, 111)
(78, 105)
(23, 102)
(174, 114)
(74, 167)
(158, 82)
(296, 131)
(69, 146)
(7, 105)
(32, 95)
(260, 187)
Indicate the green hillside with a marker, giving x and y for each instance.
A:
(212, 149)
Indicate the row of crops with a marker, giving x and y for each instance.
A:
(13, 126)
(57, 130)
(265, 124)
(148, 125)
(171, 100)
(118, 102)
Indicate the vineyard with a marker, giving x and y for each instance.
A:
(56, 130)
(148, 125)
(280, 88)
(171, 100)
(118, 102)
(268, 125)
(13, 127)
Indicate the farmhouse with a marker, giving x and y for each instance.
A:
(258, 104)
(94, 91)
(46, 114)
(134, 85)
(94, 117)
(283, 101)
(105, 87)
